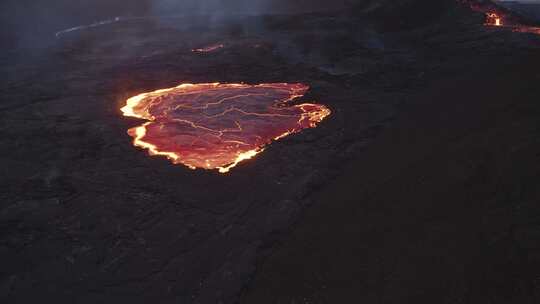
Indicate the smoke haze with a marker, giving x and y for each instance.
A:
(31, 23)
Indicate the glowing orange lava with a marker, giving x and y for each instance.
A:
(493, 19)
(497, 17)
(216, 126)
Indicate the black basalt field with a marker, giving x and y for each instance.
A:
(420, 187)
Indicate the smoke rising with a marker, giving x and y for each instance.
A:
(31, 23)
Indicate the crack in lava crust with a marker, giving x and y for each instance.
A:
(216, 126)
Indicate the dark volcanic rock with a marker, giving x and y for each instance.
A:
(88, 218)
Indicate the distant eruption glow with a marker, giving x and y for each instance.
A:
(497, 17)
(493, 19)
(217, 126)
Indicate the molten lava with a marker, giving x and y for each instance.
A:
(497, 17)
(493, 19)
(498, 20)
(216, 126)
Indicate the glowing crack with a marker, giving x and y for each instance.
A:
(217, 126)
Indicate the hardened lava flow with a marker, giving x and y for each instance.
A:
(216, 126)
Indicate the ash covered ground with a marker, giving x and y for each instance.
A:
(421, 186)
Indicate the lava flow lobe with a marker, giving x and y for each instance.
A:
(216, 126)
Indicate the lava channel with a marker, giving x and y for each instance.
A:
(216, 126)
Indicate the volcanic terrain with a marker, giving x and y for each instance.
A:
(414, 178)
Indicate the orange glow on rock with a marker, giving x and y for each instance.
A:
(217, 126)
(493, 19)
(497, 17)
(497, 20)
